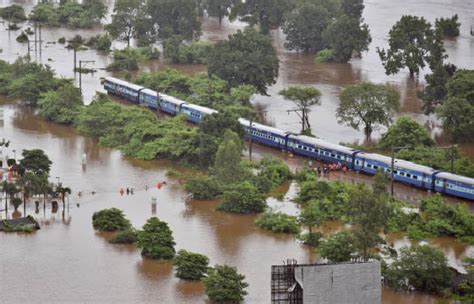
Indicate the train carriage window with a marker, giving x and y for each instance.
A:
(402, 173)
(415, 177)
(376, 167)
(333, 155)
(408, 175)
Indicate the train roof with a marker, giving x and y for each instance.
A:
(171, 99)
(455, 177)
(132, 86)
(399, 163)
(269, 129)
(150, 92)
(200, 108)
(322, 143)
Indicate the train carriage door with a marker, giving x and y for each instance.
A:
(445, 184)
(423, 181)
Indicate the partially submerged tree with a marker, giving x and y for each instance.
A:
(406, 132)
(111, 219)
(449, 27)
(156, 240)
(369, 105)
(190, 265)
(304, 98)
(35, 161)
(225, 285)
(76, 44)
(218, 8)
(412, 44)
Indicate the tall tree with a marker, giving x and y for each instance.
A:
(268, 14)
(246, 58)
(456, 115)
(128, 19)
(304, 27)
(412, 44)
(303, 98)
(227, 165)
(406, 132)
(353, 8)
(175, 17)
(61, 106)
(218, 8)
(347, 36)
(369, 105)
(156, 240)
(436, 90)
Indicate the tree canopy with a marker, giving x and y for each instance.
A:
(61, 106)
(156, 240)
(36, 161)
(412, 43)
(190, 266)
(111, 219)
(369, 105)
(406, 132)
(225, 285)
(304, 98)
(247, 57)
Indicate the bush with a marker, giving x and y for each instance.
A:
(128, 236)
(324, 56)
(22, 38)
(449, 27)
(278, 222)
(243, 198)
(190, 266)
(126, 59)
(100, 42)
(62, 40)
(150, 52)
(312, 239)
(337, 248)
(110, 220)
(422, 267)
(203, 187)
(156, 240)
(16, 202)
(225, 285)
(179, 52)
(406, 132)
(13, 13)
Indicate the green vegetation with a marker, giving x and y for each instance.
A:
(422, 267)
(190, 266)
(242, 198)
(177, 51)
(128, 236)
(13, 13)
(225, 285)
(100, 42)
(35, 161)
(218, 8)
(247, 57)
(16, 202)
(303, 98)
(406, 132)
(337, 248)
(278, 222)
(62, 105)
(26, 228)
(22, 38)
(369, 105)
(412, 44)
(69, 13)
(449, 27)
(333, 30)
(111, 219)
(156, 240)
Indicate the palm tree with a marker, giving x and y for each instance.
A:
(76, 44)
(63, 191)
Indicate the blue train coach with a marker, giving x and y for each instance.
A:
(195, 113)
(265, 135)
(123, 89)
(456, 185)
(149, 98)
(169, 104)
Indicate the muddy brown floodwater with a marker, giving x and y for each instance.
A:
(67, 261)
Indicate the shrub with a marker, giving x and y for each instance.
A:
(150, 52)
(278, 222)
(126, 59)
(312, 239)
(243, 198)
(203, 187)
(128, 236)
(156, 240)
(110, 220)
(13, 13)
(225, 285)
(177, 51)
(337, 248)
(62, 40)
(449, 27)
(190, 266)
(16, 202)
(325, 55)
(422, 267)
(22, 38)
(100, 42)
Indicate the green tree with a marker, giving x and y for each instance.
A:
(369, 105)
(156, 240)
(126, 59)
(246, 58)
(347, 36)
(225, 285)
(242, 198)
(278, 222)
(76, 44)
(461, 85)
(449, 27)
(190, 266)
(268, 14)
(227, 165)
(128, 20)
(111, 219)
(424, 267)
(303, 98)
(62, 105)
(353, 8)
(310, 217)
(35, 161)
(369, 211)
(63, 191)
(10, 189)
(13, 13)
(456, 116)
(436, 89)
(218, 8)
(304, 27)
(412, 44)
(178, 17)
(337, 248)
(406, 132)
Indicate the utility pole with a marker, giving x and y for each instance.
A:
(303, 116)
(251, 128)
(80, 71)
(392, 167)
(29, 47)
